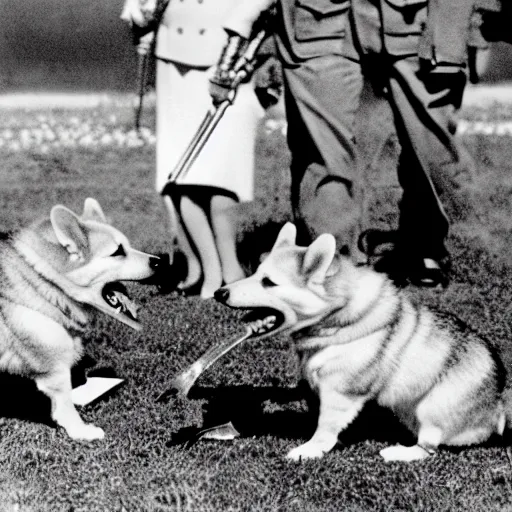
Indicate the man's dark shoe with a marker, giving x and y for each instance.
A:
(405, 269)
(387, 254)
(429, 273)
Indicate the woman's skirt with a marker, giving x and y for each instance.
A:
(227, 159)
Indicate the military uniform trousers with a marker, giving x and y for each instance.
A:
(325, 50)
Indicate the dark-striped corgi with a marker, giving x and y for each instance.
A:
(361, 339)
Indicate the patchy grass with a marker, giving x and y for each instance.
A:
(142, 464)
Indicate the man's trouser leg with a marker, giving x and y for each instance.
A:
(430, 157)
(322, 96)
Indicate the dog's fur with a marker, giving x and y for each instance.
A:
(362, 339)
(52, 275)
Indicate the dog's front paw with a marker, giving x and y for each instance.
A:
(306, 451)
(404, 453)
(86, 432)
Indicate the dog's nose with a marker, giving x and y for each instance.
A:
(158, 262)
(221, 295)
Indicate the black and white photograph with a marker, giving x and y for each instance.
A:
(255, 256)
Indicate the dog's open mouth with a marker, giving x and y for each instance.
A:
(263, 320)
(116, 296)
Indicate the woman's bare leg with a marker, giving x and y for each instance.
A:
(197, 224)
(177, 231)
(222, 211)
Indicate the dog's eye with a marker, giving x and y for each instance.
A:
(119, 251)
(267, 282)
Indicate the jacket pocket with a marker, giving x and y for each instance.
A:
(406, 17)
(320, 19)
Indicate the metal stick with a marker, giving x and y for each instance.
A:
(183, 161)
(185, 380)
(195, 149)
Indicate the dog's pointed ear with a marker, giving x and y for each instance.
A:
(318, 257)
(70, 232)
(93, 211)
(286, 236)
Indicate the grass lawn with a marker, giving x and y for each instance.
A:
(143, 464)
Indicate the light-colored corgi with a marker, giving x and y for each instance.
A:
(54, 276)
(360, 338)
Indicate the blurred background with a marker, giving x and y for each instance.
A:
(70, 45)
(83, 46)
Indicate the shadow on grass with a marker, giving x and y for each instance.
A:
(26, 402)
(275, 411)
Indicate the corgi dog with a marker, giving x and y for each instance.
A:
(55, 275)
(360, 338)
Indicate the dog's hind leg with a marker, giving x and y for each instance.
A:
(57, 386)
(429, 438)
(336, 413)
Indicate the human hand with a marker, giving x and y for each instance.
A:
(224, 79)
(268, 82)
(223, 86)
(132, 13)
(144, 43)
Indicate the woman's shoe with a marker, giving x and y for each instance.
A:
(405, 269)
(175, 273)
